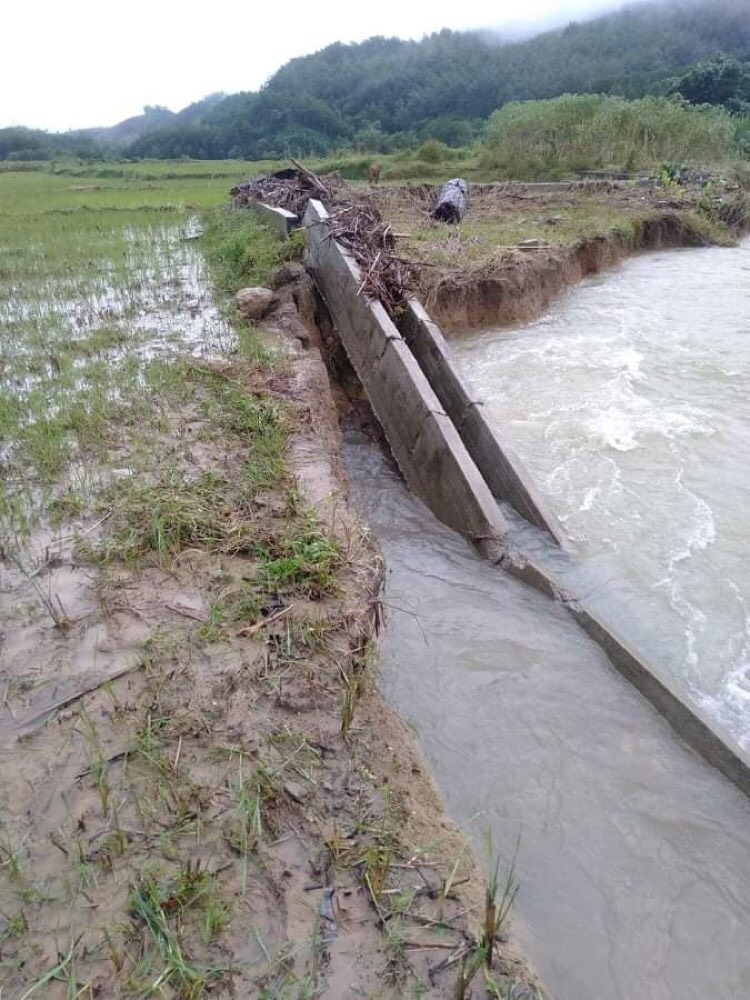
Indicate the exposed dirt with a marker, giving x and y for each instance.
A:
(201, 796)
(520, 245)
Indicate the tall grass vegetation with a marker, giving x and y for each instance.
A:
(533, 140)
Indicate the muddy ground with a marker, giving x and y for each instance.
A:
(202, 791)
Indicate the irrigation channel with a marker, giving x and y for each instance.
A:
(629, 403)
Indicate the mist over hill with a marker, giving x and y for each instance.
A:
(388, 93)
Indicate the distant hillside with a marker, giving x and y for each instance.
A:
(125, 132)
(155, 118)
(386, 92)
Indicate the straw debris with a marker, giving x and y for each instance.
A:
(357, 226)
(290, 189)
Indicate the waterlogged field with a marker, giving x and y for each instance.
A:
(184, 643)
(98, 281)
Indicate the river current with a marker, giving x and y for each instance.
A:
(628, 404)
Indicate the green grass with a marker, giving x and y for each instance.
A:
(156, 915)
(303, 560)
(552, 139)
(241, 251)
(95, 286)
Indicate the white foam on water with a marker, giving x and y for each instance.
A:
(589, 498)
(731, 702)
(629, 404)
(614, 428)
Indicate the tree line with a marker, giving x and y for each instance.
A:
(387, 94)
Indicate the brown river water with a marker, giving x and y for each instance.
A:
(634, 856)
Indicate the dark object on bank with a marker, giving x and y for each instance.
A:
(453, 201)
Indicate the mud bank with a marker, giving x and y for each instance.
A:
(520, 245)
(525, 284)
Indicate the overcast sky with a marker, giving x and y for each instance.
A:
(82, 63)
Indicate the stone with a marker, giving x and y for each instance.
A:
(253, 302)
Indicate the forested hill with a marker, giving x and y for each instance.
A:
(630, 52)
(386, 93)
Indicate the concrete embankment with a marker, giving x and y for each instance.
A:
(424, 440)
(455, 463)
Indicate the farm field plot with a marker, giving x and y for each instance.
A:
(194, 759)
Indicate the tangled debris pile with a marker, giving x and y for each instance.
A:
(290, 189)
(357, 225)
(362, 231)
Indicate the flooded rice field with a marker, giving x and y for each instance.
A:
(80, 362)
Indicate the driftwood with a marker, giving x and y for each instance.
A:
(361, 230)
(453, 202)
(290, 188)
(358, 227)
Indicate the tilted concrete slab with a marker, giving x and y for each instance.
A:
(424, 441)
(498, 463)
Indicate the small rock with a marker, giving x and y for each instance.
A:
(295, 790)
(253, 302)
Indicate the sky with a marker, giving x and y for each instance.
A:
(85, 63)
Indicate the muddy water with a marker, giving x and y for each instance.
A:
(635, 878)
(629, 403)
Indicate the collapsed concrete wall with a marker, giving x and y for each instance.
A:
(498, 463)
(424, 441)
(452, 460)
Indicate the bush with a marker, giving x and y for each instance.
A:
(432, 151)
(554, 138)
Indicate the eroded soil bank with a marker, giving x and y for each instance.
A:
(521, 245)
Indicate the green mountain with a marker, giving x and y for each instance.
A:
(386, 93)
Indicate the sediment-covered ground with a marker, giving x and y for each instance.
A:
(202, 792)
